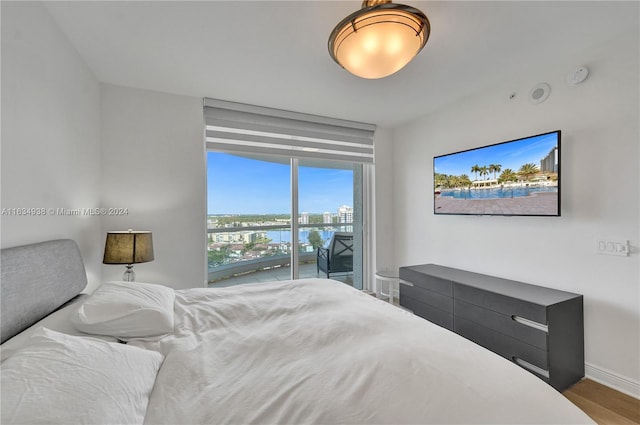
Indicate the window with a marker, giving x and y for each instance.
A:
(273, 174)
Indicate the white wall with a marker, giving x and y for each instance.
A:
(50, 134)
(70, 143)
(384, 232)
(153, 164)
(600, 196)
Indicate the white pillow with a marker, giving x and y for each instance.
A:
(127, 310)
(57, 321)
(63, 379)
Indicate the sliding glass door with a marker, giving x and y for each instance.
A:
(328, 204)
(257, 203)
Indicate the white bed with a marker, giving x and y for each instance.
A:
(306, 351)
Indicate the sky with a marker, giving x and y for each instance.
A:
(237, 185)
(509, 155)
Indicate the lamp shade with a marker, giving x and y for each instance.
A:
(379, 39)
(128, 247)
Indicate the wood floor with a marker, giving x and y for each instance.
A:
(603, 404)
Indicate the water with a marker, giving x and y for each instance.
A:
(506, 192)
(284, 235)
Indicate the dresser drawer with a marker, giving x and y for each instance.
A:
(541, 329)
(432, 314)
(502, 323)
(425, 281)
(501, 344)
(501, 303)
(434, 299)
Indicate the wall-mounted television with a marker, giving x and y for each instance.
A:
(513, 178)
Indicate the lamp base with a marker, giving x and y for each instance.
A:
(129, 275)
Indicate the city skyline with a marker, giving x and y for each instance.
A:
(238, 185)
(335, 213)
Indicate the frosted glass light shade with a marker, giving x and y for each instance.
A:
(379, 40)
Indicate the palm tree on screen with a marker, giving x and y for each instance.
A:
(440, 180)
(508, 175)
(484, 171)
(464, 180)
(528, 170)
(475, 169)
(495, 168)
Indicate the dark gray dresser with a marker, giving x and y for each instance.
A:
(539, 328)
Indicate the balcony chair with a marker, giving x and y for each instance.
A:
(338, 256)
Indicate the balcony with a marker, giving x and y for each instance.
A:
(261, 252)
(279, 274)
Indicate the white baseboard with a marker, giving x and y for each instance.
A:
(613, 380)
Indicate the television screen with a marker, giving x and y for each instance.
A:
(518, 177)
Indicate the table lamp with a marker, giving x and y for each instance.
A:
(128, 247)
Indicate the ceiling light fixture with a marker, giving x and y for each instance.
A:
(379, 39)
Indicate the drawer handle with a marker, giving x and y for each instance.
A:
(533, 368)
(405, 282)
(530, 323)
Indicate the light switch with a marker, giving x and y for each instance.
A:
(612, 247)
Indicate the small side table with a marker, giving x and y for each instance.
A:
(392, 278)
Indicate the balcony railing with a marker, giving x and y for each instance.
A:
(225, 271)
(252, 248)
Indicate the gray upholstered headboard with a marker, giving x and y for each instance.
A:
(36, 279)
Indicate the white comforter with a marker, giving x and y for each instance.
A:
(318, 351)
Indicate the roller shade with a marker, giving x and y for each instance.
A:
(240, 128)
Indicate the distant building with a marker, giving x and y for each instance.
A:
(237, 237)
(326, 217)
(304, 218)
(252, 237)
(345, 214)
(549, 164)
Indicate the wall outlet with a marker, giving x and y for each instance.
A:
(618, 247)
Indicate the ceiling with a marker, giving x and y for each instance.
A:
(274, 53)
